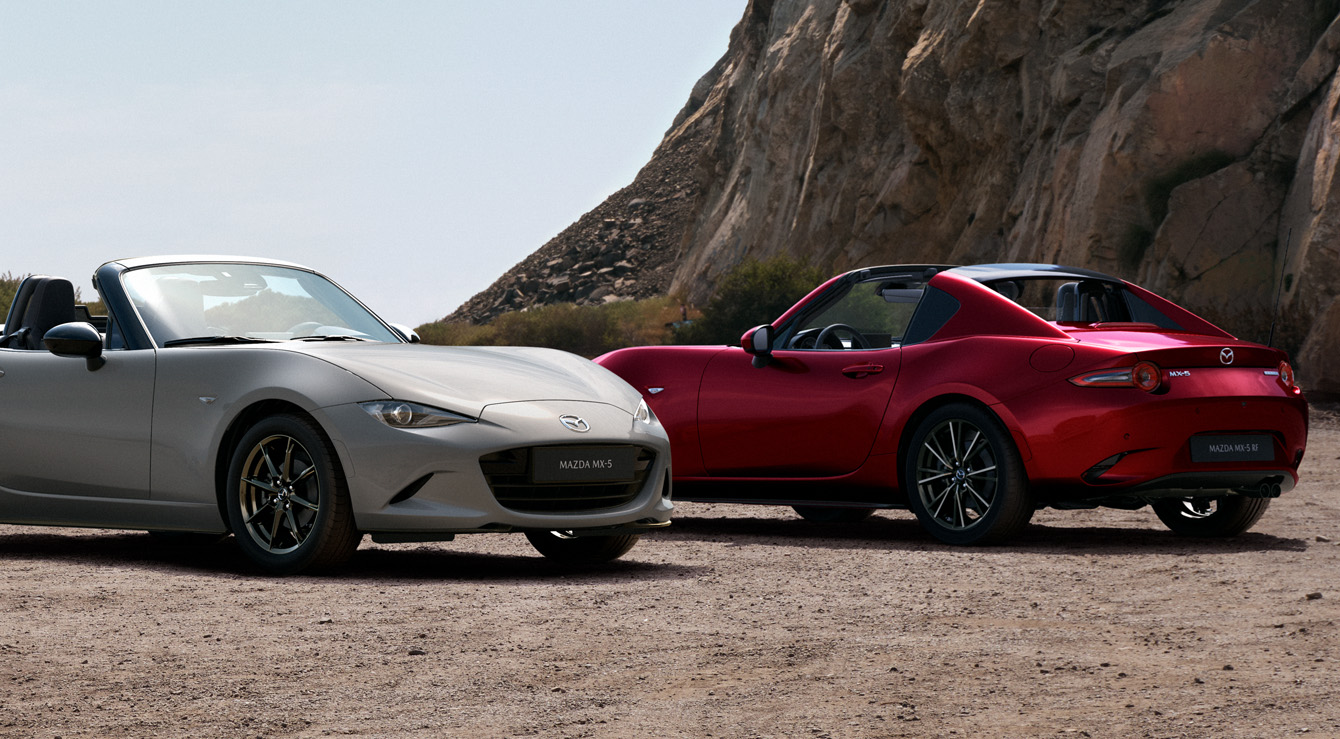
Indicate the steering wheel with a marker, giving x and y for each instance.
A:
(830, 332)
(803, 339)
(304, 329)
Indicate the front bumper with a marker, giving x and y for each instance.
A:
(426, 484)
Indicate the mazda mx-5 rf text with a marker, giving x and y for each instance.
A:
(976, 395)
(257, 397)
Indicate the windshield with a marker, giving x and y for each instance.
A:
(193, 303)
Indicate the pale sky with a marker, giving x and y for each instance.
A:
(412, 151)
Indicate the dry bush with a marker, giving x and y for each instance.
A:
(588, 330)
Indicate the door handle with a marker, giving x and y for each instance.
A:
(861, 370)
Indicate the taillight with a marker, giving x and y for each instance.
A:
(1144, 375)
(1287, 379)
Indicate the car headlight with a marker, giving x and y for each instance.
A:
(401, 415)
(644, 414)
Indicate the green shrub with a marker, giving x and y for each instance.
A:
(9, 285)
(751, 294)
(588, 330)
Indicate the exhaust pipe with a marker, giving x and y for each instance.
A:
(1268, 490)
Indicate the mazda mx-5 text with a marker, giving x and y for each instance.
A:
(257, 397)
(976, 395)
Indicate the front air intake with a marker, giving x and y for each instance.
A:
(518, 485)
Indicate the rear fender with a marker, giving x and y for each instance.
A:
(900, 435)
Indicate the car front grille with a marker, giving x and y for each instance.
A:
(509, 476)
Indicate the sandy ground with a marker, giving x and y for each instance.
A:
(737, 622)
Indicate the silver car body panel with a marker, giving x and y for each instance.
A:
(142, 441)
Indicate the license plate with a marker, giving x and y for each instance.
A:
(583, 464)
(1234, 448)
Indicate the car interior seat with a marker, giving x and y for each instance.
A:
(1067, 303)
(41, 304)
(16, 309)
(1101, 302)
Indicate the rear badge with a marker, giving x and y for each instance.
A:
(1226, 356)
(574, 423)
(1179, 373)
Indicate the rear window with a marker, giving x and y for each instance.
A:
(1081, 301)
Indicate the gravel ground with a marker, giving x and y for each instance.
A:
(736, 622)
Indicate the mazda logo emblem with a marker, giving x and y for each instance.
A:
(1226, 356)
(575, 423)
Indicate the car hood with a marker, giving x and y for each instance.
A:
(466, 379)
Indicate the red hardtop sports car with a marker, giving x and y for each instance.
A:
(975, 395)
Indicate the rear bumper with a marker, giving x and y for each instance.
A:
(1095, 443)
(1249, 483)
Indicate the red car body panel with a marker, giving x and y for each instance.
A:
(828, 426)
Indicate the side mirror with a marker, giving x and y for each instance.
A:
(77, 339)
(406, 333)
(758, 342)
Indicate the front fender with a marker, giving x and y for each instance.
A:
(201, 391)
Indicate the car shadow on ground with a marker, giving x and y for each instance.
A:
(370, 562)
(429, 562)
(901, 532)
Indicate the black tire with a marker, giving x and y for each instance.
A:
(964, 478)
(824, 514)
(563, 547)
(1222, 516)
(287, 501)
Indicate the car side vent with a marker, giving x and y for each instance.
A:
(509, 476)
(411, 490)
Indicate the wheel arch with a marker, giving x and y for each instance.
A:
(934, 404)
(243, 421)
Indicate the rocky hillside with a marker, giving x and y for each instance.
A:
(1187, 145)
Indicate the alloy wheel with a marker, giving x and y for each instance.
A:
(956, 474)
(279, 494)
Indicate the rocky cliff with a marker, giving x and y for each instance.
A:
(1189, 146)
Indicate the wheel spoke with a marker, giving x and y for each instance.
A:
(953, 442)
(934, 502)
(269, 463)
(938, 503)
(262, 484)
(258, 513)
(303, 476)
(986, 504)
(288, 460)
(294, 530)
(1195, 508)
(274, 526)
(932, 445)
(972, 446)
(982, 471)
(932, 478)
(305, 503)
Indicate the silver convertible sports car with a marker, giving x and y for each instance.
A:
(257, 397)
